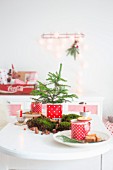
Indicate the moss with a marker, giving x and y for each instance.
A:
(64, 126)
(31, 123)
(69, 117)
(44, 123)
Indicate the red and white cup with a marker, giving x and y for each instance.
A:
(79, 130)
(36, 107)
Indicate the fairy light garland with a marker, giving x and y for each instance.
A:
(70, 43)
(57, 43)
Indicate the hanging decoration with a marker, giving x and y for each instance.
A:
(58, 43)
(73, 50)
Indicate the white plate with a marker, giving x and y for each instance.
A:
(67, 133)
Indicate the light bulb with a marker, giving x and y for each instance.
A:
(41, 41)
(84, 64)
(80, 39)
(57, 47)
(79, 56)
(79, 90)
(50, 40)
(79, 81)
(58, 55)
(62, 46)
(72, 38)
(64, 41)
(85, 47)
(49, 47)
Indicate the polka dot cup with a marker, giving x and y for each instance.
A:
(36, 107)
(79, 130)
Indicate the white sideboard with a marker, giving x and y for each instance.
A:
(25, 101)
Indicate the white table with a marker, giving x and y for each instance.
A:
(22, 149)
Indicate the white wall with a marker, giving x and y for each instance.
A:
(23, 21)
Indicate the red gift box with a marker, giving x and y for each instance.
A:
(36, 107)
(54, 111)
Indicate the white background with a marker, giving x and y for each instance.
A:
(23, 21)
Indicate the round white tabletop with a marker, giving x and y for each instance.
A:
(16, 141)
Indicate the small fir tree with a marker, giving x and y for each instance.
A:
(54, 91)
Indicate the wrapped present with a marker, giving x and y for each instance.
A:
(36, 107)
(54, 111)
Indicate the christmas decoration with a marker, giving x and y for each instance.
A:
(74, 49)
(57, 43)
(53, 91)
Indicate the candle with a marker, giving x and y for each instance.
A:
(20, 113)
(84, 109)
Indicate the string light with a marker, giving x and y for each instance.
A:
(49, 47)
(56, 43)
(85, 47)
(49, 41)
(79, 91)
(41, 42)
(83, 64)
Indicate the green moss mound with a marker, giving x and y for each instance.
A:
(64, 126)
(69, 117)
(43, 123)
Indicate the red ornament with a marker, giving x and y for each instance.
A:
(54, 111)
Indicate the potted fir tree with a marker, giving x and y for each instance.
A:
(54, 91)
